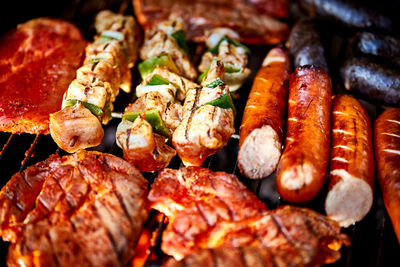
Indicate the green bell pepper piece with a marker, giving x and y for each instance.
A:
(224, 101)
(215, 83)
(179, 36)
(153, 117)
(146, 67)
(214, 50)
(98, 112)
(157, 80)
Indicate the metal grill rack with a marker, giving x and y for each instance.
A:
(373, 240)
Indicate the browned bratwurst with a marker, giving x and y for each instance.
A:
(350, 192)
(261, 130)
(302, 168)
(387, 154)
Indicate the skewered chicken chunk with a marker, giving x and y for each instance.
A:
(85, 209)
(208, 117)
(106, 69)
(163, 39)
(223, 44)
(213, 212)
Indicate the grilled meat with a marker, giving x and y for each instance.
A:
(200, 15)
(37, 62)
(223, 44)
(148, 123)
(97, 83)
(214, 210)
(85, 209)
(206, 124)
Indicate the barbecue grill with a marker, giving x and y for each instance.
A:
(373, 242)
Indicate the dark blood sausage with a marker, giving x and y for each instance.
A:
(374, 81)
(302, 169)
(261, 131)
(347, 13)
(385, 46)
(305, 46)
(387, 155)
(350, 192)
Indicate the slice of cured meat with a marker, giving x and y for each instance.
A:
(38, 61)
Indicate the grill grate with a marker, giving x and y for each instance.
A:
(373, 239)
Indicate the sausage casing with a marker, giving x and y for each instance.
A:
(350, 192)
(261, 131)
(302, 169)
(374, 81)
(387, 155)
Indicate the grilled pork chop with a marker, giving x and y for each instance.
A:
(38, 60)
(249, 20)
(85, 209)
(208, 210)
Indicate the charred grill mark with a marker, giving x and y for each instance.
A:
(24, 176)
(242, 257)
(109, 235)
(121, 202)
(267, 248)
(54, 255)
(282, 229)
(128, 133)
(94, 65)
(201, 212)
(192, 110)
(214, 257)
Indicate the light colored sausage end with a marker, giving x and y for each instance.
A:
(349, 200)
(259, 155)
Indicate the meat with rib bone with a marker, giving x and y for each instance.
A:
(85, 209)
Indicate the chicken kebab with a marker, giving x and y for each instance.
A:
(88, 102)
(150, 121)
(209, 112)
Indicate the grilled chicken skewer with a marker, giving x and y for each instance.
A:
(223, 44)
(150, 121)
(208, 118)
(88, 101)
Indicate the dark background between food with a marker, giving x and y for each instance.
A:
(373, 240)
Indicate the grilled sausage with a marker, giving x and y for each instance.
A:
(350, 192)
(302, 168)
(371, 80)
(305, 46)
(385, 46)
(348, 14)
(387, 154)
(261, 129)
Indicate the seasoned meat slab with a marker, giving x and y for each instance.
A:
(248, 19)
(208, 210)
(38, 60)
(85, 209)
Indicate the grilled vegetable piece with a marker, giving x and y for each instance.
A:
(79, 210)
(350, 194)
(205, 128)
(37, 62)
(249, 20)
(387, 155)
(347, 13)
(380, 45)
(97, 83)
(161, 41)
(223, 45)
(302, 169)
(212, 210)
(372, 80)
(305, 45)
(261, 131)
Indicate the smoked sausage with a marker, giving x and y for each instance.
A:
(302, 169)
(387, 155)
(261, 131)
(350, 193)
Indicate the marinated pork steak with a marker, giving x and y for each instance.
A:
(208, 210)
(84, 209)
(252, 23)
(38, 61)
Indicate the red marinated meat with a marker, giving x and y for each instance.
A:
(38, 61)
